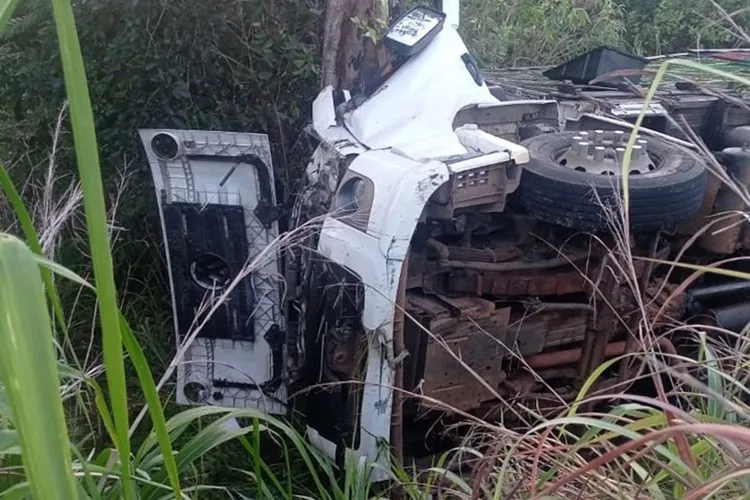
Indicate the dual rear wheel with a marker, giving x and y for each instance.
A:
(572, 185)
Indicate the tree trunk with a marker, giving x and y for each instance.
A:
(348, 54)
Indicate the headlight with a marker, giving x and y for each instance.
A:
(354, 200)
(349, 198)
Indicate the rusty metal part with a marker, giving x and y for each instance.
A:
(562, 326)
(561, 306)
(440, 248)
(666, 346)
(480, 348)
(648, 268)
(657, 294)
(481, 345)
(570, 356)
(606, 327)
(724, 237)
(397, 413)
(470, 307)
(558, 359)
(643, 282)
(498, 284)
(484, 254)
(558, 373)
(467, 253)
(518, 284)
(602, 324)
(526, 331)
(341, 353)
(515, 266)
(547, 404)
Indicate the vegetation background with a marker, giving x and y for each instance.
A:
(243, 65)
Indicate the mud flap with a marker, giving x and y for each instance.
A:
(216, 199)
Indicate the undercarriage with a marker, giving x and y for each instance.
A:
(503, 311)
(499, 310)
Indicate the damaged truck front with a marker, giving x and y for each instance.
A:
(451, 251)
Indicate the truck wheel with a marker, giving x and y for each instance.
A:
(571, 176)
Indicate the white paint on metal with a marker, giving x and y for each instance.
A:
(195, 175)
(326, 124)
(452, 10)
(480, 141)
(402, 189)
(413, 111)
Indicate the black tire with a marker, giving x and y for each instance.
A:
(661, 199)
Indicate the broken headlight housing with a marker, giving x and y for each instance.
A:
(353, 200)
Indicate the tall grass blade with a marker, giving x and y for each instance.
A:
(730, 273)
(625, 167)
(254, 452)
(7, 7)
(176, 426)
(28, 368)
(99, 399)
(154, 404)
(84, 137)
(715, 409)
(16, 492)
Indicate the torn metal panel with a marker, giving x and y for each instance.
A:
(218, 212)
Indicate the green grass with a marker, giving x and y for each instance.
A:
(29, 373)
(87, 155)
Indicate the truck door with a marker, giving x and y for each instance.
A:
(217, 205)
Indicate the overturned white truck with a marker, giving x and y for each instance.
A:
(455, 246)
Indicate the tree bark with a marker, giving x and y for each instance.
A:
(347, 53)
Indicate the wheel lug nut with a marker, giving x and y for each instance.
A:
(620, 155)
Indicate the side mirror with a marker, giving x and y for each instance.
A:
(414, 30)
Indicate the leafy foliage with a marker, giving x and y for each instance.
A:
(668, 26)
(542, 32)
(533, 32)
